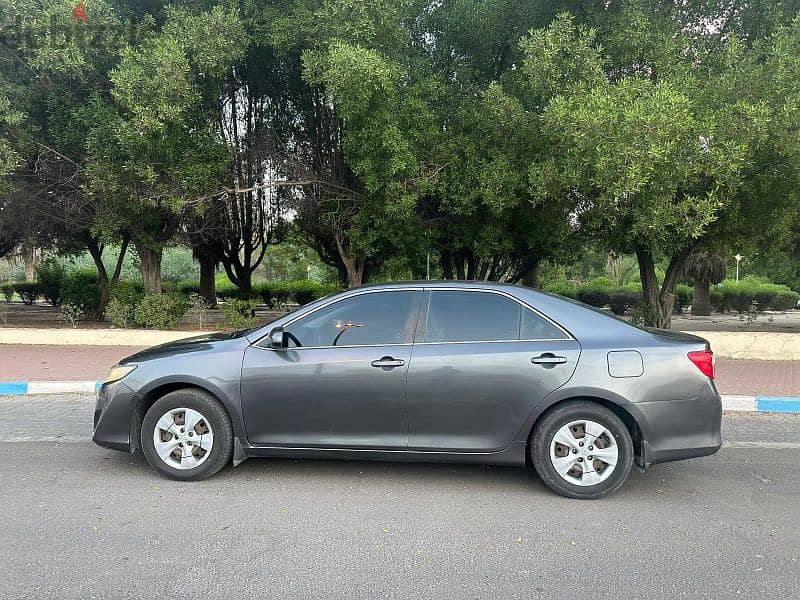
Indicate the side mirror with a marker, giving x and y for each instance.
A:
(278, 339)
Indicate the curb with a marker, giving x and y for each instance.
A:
(769, 404)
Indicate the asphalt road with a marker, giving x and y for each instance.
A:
(78, 521)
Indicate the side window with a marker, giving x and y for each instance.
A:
(375, 318)
(534, 327)
(455, 316)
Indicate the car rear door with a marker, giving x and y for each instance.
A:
(344, 385)
(481, 362)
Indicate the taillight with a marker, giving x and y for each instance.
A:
(703, 360)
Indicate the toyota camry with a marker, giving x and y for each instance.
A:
(432, 371)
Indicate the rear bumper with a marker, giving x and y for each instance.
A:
(680, 429)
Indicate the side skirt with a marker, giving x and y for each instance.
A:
(514, 454)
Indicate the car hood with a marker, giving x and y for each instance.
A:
(198, 343)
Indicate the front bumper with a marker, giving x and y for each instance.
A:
(114, 412)
(680, 429)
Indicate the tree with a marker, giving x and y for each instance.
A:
(162, 147)
(704, 268)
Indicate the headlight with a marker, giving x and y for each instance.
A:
(117, 372)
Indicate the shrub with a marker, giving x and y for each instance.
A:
(198, 309)
(187, 288)
(8, 291)
(125, 297)
(160, 310)
(562, 287)
(593, 295)
(239, 314)
(683, 296)
(120, 314)
(622, 300)
(29, 291)
(50, 274)
(645, 315)
(70, 314)
(81, 288)
(785, 300)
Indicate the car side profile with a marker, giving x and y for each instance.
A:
(431, 371)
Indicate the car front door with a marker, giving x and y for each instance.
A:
(341, 383)
(481, 362)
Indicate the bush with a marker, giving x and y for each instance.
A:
(82, 289)
(239, 314)
(562, 287)
(683, 296)
(29, 291)
(160, 310)
(187, 288)
(593, 296)
(125, 297)
(8, 291)
(785, 300)
(622, 300)
(50, 274)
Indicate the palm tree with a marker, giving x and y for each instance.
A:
(704, 267)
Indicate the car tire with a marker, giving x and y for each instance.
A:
(187, 453)
(587, 479)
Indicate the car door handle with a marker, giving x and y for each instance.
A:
(388, 361)
(548, 359)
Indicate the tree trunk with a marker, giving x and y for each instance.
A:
(446, 262)
(531, 278)
(356, 268)
(701, 299)
(208, 289)
(29, 260)
(106, 283)
(150, 267)
(660, 300)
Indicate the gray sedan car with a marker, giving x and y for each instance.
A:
(431, 371)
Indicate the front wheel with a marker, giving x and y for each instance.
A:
(582, 450)
(187, 435)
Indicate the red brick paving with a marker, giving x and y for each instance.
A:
(758, 377)
(58, 363)
(86, 363)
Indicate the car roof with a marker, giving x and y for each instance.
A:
(448, 283)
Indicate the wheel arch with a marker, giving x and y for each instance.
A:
(627, 412)
(161, 389)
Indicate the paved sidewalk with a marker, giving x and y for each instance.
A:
(59, 363)
(89, 363)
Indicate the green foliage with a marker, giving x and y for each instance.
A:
(160, 311)
(82, 290)
(70, 314)
(8, 291)
(28, 291)
(239, 314)
(622, 300)
(125, 298)
(683, 296)
(50, 274)
(740, 295)
(645, 315)
(562, 287)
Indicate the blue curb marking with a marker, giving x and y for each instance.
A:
(10, 388)
(787, 404)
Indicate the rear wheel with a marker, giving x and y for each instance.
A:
(582, 450)
(187, 435)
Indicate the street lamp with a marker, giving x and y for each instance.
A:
(738, 258)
